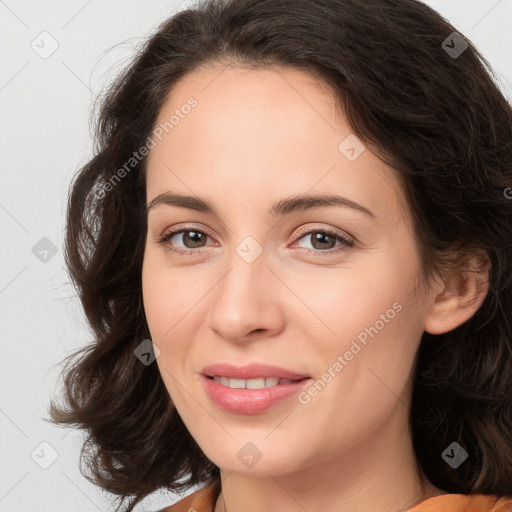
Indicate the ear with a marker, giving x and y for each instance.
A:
(459, 295)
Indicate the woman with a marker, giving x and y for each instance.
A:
(310, 197)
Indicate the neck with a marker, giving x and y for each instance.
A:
(377, 473)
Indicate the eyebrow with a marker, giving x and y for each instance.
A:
(282, 207)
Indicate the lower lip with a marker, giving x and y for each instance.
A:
(250, 401)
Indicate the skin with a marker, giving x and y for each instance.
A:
(255, 137)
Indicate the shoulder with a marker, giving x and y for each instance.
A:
(503, 505)
(465, 503)
(202, 500)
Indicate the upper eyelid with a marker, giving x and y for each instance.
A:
(189, 227)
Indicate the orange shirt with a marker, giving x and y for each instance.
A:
(205, 498)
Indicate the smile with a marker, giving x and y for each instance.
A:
(259, 383)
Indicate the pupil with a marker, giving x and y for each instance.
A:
(320, 237)
(195, 238)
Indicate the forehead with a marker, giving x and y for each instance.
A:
(268, 132)
(237, 105)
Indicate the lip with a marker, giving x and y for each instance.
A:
(250, 371)
(250, 401)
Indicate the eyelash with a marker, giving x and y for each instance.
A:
(346, 243)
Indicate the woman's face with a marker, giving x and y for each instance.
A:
(262, 278)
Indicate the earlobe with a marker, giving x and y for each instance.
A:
(461, 295)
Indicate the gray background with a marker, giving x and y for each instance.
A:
(45, 102)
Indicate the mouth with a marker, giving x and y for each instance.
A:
(251, 396)
(251, 376)
(252, 388)
(256, 383)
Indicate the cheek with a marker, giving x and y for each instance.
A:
(355, 299)
(373, 313)
(155, 301)
(163, 309)
(172, 309)
(164, 301)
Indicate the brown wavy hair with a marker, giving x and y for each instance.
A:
(440, 120)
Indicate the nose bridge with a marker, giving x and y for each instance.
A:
(248, 273)
(243, 300)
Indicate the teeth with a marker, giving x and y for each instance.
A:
(263, 382)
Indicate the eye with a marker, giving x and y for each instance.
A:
(191, 237)
(322, 241)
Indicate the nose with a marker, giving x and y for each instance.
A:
(246, 302)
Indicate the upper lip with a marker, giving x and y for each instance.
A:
(251, 371)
